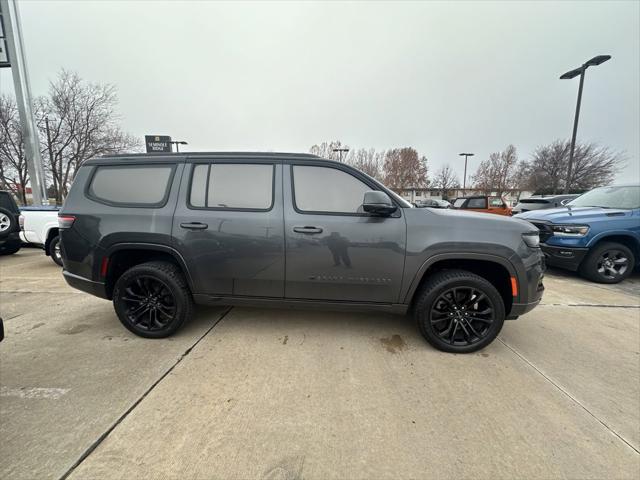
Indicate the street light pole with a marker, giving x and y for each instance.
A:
(466, 157)
(178, 142)
(567, 76)
(22, 88)
(340, 150)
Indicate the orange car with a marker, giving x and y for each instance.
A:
(487, 204)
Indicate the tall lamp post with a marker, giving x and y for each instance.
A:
(466, 157)
(568, 76)
(178, 142)
(341, 151)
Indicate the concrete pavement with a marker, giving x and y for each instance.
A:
(284, 394)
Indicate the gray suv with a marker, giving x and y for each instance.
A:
(157, 233)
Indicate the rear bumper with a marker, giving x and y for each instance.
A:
(563, 257)
(94, 288)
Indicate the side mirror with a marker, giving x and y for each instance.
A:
(378, 203)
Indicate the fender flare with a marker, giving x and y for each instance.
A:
(157, 247)
(613, 233)
(417, 278)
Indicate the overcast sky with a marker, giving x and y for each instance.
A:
(440, 77)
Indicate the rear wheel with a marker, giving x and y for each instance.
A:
(152, 299)
(54, 250)
(7, 222)
(608, 262)
(458, 311)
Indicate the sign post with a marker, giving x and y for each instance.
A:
(12, 55)
(157, 143)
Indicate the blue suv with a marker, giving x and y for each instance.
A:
(597, 234)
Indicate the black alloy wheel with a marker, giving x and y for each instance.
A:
(150, 305)
(462, 316)
(458, 311)
(152, 299)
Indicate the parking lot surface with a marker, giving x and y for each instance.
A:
(287, 394)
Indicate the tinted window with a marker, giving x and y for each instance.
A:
(322, 189)
(199, 185)
(477, 203)
(232, 186)
(127, 185)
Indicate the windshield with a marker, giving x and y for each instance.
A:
(609, 197)
(459, 202)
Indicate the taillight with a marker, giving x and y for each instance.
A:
(104, 267)
(65, 221)
(21, 222)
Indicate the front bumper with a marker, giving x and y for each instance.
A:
(94, 288)
(563, 257)
(530, 282)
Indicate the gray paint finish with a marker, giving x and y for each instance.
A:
(284, 255)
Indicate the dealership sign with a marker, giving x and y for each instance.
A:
(157, 143)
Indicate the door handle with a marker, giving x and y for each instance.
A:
(194, 226)
(307, 229)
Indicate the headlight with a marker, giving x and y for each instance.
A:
(570, 230)
(532, 239)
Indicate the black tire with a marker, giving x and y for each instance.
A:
(54, 250)
(453, 324)
(8, 222)
(608, 262)
(10, 250)
(152, 299)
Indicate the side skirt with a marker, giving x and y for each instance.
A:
(212, 300)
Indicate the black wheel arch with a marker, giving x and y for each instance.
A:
(623, 239)
(123, 256)
(497, 270)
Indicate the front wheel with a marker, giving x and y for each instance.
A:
(152, 299)
(459, 312)
(608, 262)
(10, 249)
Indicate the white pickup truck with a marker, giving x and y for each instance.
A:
(39, 226)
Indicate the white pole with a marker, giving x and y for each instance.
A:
(15, 48)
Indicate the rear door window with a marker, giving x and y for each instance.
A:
(132, 185)
(232, 185)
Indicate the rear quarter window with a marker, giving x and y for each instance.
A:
(477, 203)
(131, 185)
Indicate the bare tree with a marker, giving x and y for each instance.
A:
(78, 121)
(445, 179)
(498, 172)
(368, 161)
(593, 166)
(404, 168)
(13, 165)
